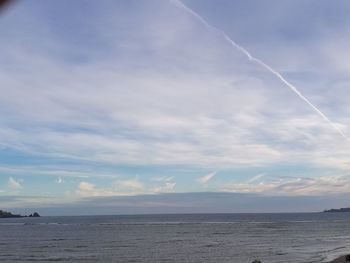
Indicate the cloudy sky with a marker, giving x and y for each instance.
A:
(149, 105)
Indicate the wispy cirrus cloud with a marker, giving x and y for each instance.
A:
(323, 185)
(101, 125)
(256, 177)
(206, 178)
(14, 183)
(59, 180)
(162, 178)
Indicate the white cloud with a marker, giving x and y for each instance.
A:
(167, 187)
(86, 189)
(127, 187)
(14, 184)
(59, 180)
(134, 184)
(206, 178)
(85, 186)
(165, 184)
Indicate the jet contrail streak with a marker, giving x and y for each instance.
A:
(180, 4)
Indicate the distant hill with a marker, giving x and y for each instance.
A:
(347, 209)
(5, 214)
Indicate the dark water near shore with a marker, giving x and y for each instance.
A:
(238, 238)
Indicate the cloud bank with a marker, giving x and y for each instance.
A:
(130, 102)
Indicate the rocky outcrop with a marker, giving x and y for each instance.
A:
(34, 215)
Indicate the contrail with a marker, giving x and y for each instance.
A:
(180, 4)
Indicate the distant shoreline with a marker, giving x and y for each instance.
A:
(343, 210)
(5, 214)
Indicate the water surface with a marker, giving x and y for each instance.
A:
(238, 238)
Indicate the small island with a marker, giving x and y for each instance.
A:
(347, 209)
(5, 214)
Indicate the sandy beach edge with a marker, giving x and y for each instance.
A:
(339, 260)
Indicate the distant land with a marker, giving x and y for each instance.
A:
(5, 214)
(347, 209)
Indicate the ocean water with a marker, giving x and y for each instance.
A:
(237, 238)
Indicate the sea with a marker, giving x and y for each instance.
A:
(234, 238)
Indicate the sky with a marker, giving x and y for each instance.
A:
(153, 106)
